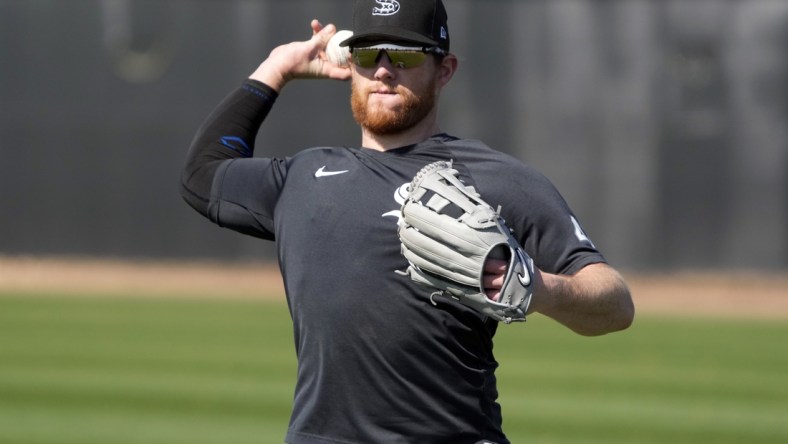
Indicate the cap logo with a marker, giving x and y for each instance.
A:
(387, 7)
(444, 34)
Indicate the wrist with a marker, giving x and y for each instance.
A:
(270, 75)
(546, 287)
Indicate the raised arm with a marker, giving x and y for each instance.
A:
(301, 60)
(230, 131)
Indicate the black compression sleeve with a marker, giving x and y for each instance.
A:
(229, 132)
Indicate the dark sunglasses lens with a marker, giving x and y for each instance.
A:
(406, 59)
(368, 57)
(365, 57)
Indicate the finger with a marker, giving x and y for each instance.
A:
(492, 284)
(339, 72)
(493, 295)
(495, 266)
(329, 29)
(322, 33)
(492, 281)
(316, 26)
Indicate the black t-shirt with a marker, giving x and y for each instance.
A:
(377, 360)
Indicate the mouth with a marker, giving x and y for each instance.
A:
(386, 90)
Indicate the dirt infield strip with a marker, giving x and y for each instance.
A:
(693, 294)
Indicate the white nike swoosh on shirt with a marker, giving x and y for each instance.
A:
(322, 172)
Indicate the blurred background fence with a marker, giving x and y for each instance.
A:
(663, 122)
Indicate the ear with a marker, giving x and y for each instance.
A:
(446, 69)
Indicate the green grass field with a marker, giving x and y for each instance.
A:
(124, 370)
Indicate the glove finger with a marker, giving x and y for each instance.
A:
(472, 299)
(437, 282)
(445, 229)
(438, 259)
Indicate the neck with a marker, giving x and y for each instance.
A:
(384, 142)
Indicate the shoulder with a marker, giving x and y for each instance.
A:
(502, 179)
(488, 165)
(477, 151)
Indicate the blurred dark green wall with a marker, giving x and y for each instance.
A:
(664, 123)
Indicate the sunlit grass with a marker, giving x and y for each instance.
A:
(129, 370)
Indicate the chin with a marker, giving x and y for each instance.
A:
(381, 117)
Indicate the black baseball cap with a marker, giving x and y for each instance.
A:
(423, 22)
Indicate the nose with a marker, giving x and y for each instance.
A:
(384, 70)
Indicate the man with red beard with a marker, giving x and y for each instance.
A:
(378, 361)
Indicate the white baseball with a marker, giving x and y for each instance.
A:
(338, 54)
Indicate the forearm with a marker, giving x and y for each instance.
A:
(229, 132)
(594, 301)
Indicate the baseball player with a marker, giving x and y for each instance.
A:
(393, 345)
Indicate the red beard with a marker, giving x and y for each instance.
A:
(382, 121)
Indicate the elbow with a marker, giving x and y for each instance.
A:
(198, 201)
(622, 313)
(622, 317)
(626, 310)
(614, 324)
(618, 318)
(195, 185)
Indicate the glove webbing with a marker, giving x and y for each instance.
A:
(463, 196)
